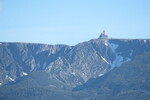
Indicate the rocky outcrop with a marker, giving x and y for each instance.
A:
(72, 65)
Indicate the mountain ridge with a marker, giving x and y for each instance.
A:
(73, 65)
(77, 43)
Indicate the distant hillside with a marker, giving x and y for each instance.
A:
(130, 81)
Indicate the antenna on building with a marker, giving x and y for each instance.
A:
(104, 31)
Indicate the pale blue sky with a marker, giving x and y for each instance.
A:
(72, 21)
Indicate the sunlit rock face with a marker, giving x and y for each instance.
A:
(72, 65)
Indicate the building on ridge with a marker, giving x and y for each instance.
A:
(103, 35)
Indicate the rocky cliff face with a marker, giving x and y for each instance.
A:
(72, 65)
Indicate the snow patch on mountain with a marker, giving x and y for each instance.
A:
(119, 59)
(8, 77)
(73, 73)
(101, 74)
(106, 43)
(131, 52)
(105, 60)
(24, 74)
(11, 79)
(113, 47)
